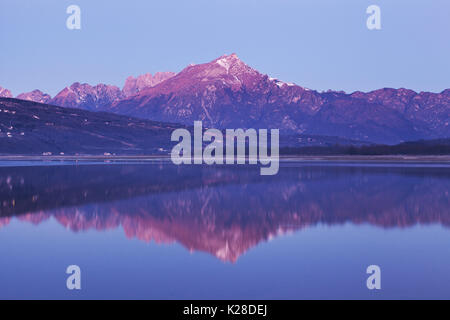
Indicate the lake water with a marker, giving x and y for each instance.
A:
(153, 230)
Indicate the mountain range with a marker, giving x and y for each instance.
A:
(92, 98)
(227, 93)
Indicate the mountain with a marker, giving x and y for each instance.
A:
(424, 110)
(227, 93)
(5, 93)
(101, 96)
(93, 98)
(85, 96)
(135, 85)
(36, 96)
(28, 127)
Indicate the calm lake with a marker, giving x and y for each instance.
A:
(154, 230)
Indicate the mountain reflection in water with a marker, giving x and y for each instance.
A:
(224, 211)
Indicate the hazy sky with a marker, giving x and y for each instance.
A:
(319, 44)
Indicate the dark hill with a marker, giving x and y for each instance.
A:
(33, 128)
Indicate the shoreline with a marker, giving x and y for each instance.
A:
(285, 158)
